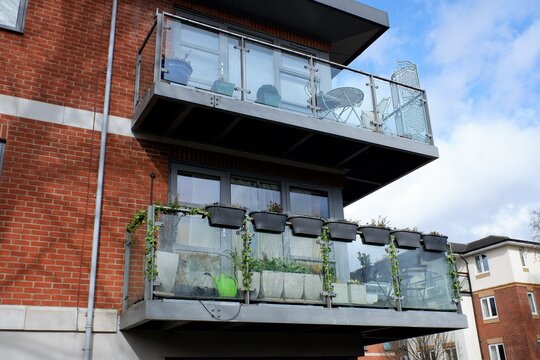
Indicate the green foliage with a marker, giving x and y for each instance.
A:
(392, 254)
(328, 271)
(281, 265)
(246, 258)
(150, 270)
(381, 221)
(139, 219)
(435, 233)
(274, 207)
(454, 275)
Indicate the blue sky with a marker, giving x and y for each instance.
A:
(479, 61)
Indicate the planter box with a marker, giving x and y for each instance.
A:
(373, 235)
(271, 284)
(306, 226)
(342, 231)
(312, 287)
(357, 294)
(229, 217)
(269, 99)
(167, 266)
(342, 294)
(223, 87)
(435, 242)
(293, 285)
(267, 221)
(178, 71)
(407, 239)
(255, 283)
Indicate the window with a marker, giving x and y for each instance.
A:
(482, 265)
(12, 14)
(522, 257)
(489, 307)
(199, 189)
(309, 202)
(254, 194)
(532, 303)
(496, 352)
(432, 355)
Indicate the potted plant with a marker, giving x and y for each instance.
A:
(221, 86)
(434, 241)
(225, 216)
(267, 94)
(306, 225)
(377, 232)
(407, 238)
(342, 230)
(272, 220)
(177, 70)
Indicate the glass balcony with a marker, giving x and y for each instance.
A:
(186, 53)
(195, 261)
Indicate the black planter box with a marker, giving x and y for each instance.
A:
(267, 221)
(435, 242)
(407, 239)
(373, 235)
(342, 230)
(306, 226)
(223, 216)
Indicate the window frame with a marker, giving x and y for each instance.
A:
(490, 306)
(21, 17)
(522, 257)
(2, 151)
(482, 263)
(497, 346)
(532, 303)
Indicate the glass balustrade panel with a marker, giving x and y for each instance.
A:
(146, 66)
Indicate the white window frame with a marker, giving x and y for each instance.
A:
(522, 257)
(491, 307)
(498, 348)
(21, 16)
(532, 303)
(2, 150)
(482, 263)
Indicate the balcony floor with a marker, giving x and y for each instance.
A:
(367, 159)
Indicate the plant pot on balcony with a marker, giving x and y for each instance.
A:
(312, 287)
(255, 283)
(223, 87)
(373, 235)
(177, 71)
(342, 230)
(271, 284)
(357, 294)
(225, 216)
(436, 243)
(306, 226)
(268, 95)
(266, 221)
(407, 239)
(341, 292)
(293, 285)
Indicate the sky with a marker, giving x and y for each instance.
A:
(479, 62)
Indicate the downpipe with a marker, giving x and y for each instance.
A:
(87, 350)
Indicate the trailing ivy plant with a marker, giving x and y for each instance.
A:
(454, 275)
(247, 261)
(150, 247)
(327, 270)
(392, 254)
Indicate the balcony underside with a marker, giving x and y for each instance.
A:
(368, 160)
(367, 326)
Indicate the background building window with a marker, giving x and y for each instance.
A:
(2, 146)
(12, 14)
(532, 303)
(482, 265)
(451, 353)
(489, 307)
(496, 352)
(522, 257)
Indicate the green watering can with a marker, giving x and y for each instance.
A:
(226, 285)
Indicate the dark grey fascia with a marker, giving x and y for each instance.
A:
(347, 26)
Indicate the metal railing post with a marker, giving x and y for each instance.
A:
(137, 80)
(127, 265)
(159, 47)
(372, 86)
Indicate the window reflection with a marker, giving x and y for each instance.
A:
(197, 188)
(254, 194)
(309, 202)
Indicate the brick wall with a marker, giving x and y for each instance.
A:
(516, 326)
(62, 56)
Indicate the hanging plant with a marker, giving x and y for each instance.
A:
(454, 275)
(150, 270)
(327, 270)
(392, 254)
(247, 261)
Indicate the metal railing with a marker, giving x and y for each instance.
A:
(185, 52)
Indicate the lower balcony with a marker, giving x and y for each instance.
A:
(193, 281)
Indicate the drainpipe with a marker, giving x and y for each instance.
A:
(99, 191)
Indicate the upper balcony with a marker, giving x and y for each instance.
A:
(193, 278)
(204, 85)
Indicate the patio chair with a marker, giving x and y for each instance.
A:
(368, 117)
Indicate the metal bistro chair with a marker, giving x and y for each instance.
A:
(368, 117)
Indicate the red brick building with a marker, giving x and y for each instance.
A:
(68, 189)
